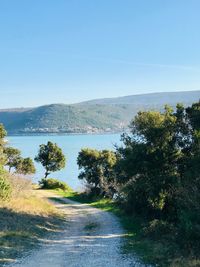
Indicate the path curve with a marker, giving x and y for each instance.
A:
(92, 238)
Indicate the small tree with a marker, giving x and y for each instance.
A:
(3, 134)
(13, 157)
(51, 157)
(25, 166)
(97, 170)
(88, 162)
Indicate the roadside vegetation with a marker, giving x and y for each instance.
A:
(152, 182)
(51, 183)
(25, 217)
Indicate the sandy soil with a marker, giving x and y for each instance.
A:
(92, 238)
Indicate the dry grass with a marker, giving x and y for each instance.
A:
(20, 185)
(24, 220)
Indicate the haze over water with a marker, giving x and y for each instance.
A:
(70, 144)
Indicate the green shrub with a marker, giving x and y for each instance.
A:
(5, 188)
(51, 183)
(158, 229)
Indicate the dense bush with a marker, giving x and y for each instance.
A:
(156, 172)
(51, 183)
(97, 171)
(5, 187)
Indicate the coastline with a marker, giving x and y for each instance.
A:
(63, 134)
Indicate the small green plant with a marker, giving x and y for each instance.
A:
(5, 188)
(51, 183)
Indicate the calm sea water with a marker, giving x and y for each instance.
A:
(70, 144)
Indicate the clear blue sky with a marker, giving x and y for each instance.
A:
(67, 51)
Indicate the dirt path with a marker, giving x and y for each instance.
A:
(93, 238)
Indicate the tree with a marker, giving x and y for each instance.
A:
(3, 134)
(51, 157)
(148, 162)
(25, 166)
(13, 157)
(5, 185)
(107, 162)
(88, 164)
(97, 169)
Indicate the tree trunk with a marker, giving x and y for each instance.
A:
(46, 174)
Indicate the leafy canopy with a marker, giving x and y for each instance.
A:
(13, 157)
(97, 170)
(51, 157)
(25, 166)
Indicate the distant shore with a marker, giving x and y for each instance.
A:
(63, 134)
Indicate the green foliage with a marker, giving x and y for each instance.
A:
(158, 171)
(88, 161)
(3, 134)
(25, 166)
(97, 170)
(21, 165)
(5, 186)
(194, 115)
(51, 183)
(13, 157)
(145, 162)
(51, 157)
(155, 174)
(156, 229)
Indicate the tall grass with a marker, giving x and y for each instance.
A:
(24, 219)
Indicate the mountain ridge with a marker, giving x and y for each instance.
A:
(119, 99)
(94, 116)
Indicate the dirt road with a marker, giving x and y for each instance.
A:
(92, 238)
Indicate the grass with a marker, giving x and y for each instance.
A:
(23, 222)
(160, 250)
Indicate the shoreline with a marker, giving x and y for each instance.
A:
(63, 134)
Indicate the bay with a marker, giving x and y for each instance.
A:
(70, 144)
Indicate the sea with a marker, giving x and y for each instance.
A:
(70, 145)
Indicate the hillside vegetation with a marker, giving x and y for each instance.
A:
(102, 115)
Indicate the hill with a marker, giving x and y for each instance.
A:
(101, 115)
(152, 99)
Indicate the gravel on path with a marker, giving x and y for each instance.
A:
(92, 238)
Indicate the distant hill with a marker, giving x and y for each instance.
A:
(95, 116)
(155, 99)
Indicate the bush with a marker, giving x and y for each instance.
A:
(157, 229)
(51, 183)
(5, 188)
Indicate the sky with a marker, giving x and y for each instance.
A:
(68, 51)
